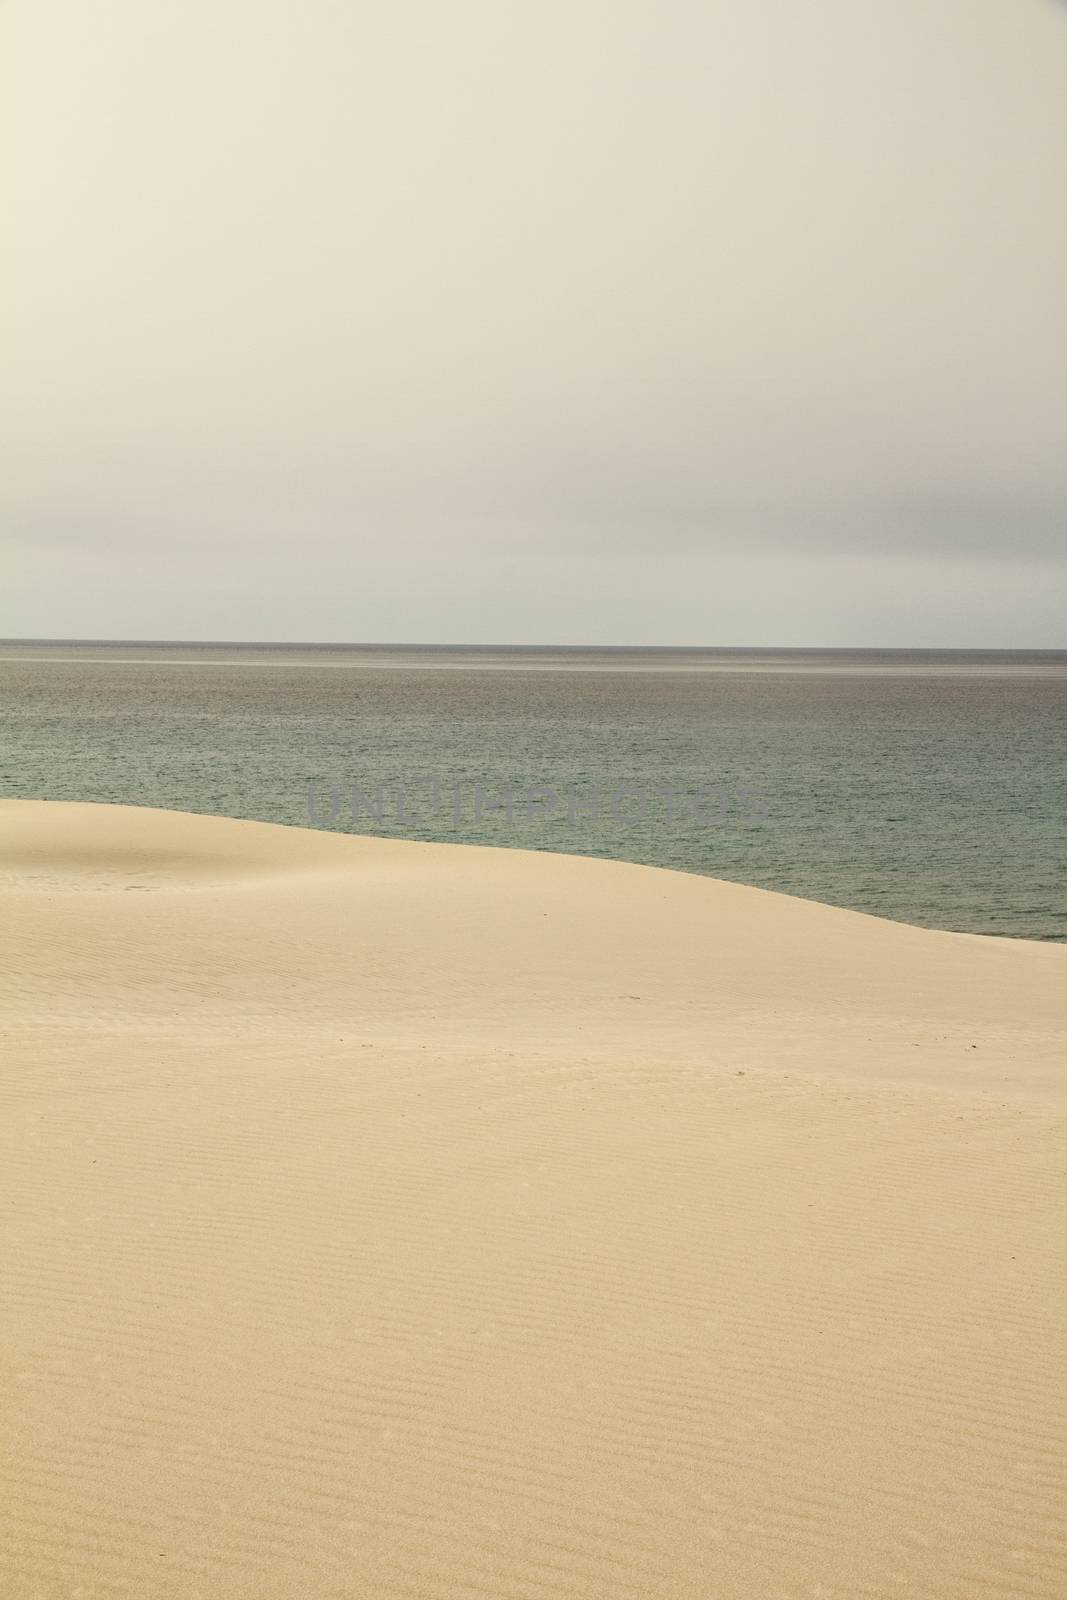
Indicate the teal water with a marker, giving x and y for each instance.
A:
(926, 786)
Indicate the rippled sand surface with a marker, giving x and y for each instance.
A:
(414, 1220)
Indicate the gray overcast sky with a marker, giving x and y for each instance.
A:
(649, 321)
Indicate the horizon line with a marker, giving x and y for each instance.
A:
(436, 644)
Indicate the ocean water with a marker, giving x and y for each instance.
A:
(927, 786)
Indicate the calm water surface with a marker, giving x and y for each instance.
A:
(922, 785)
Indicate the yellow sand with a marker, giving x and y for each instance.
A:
(388, 1219)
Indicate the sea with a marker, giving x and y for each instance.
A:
(926, 786)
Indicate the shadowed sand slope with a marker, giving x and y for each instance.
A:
(409, 1220)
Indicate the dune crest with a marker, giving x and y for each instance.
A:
(422, 1220)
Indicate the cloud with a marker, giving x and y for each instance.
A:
(447, 288)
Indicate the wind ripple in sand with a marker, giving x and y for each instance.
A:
(367, 1236)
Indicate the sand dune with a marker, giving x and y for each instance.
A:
(409, 1220)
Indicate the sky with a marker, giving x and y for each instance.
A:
(592, 321)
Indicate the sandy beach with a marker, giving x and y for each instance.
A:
(411, 1220)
